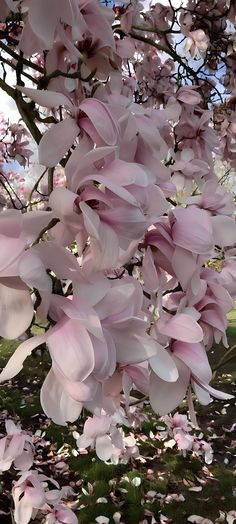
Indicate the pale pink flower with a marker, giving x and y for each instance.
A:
(29, 496)
(213, 198)
(16, 447)
(197, 40)
(16, 230)
(91, 117)
(60, 514)
(95, 434)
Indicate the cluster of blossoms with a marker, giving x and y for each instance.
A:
(180, 430)
(115, 263)
(31, 492)
(110, 443)
(14, 143)
(14, 146)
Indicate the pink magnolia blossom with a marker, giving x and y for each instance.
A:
(197, 40)
(17, 230)
(29, 495)
(214, 198)
(60, 514)
(95, 434)
(16, 448)
(91, 117)
(111, 331)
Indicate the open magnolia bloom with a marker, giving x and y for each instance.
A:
(96, 336)
(16, 448)
(111, 330)
(17, 232)
(91, 117)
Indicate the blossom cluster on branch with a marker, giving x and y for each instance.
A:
(128, 265)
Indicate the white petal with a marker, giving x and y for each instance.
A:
(163, 365)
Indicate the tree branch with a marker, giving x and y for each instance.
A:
(24, 109)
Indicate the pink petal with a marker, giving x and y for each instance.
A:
(195, 357)
(15, 363)
(114, 188)
(16, 308)
(91, 220)
(163, 365)
(184, 265)
(60, 260)
(105, 251)
(132, 343)
(128, 173)
(65, 515)
(166, 396)
(140, 377)
(79, 309)
(23, 510)
(33, 223)
(11, 249)
(104, 447)
(102, 119)
(71, 349)
(201, 394)
(180, 327)
(80, 391)
(81, 161)
(56, 403)
(57, 141)
(192, 229)
(105, 357)
(215, 392)
(97, 426)
(44, 26)
(46, 98)
(188, 95)
(116, 301)
(224, 230)
(149, 272)
(33, 273)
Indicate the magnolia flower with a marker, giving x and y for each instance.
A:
(60, 514)
(197, 40)
(91, 117)
(16, 448)
(95, 434)
(29, 496)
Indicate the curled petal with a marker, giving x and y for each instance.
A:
(57, 141)
(16, 308)
(56, 403)
(45, 98)
(163, 365)
(180, 327)
(102, 119)
(166, 396)
(104, 447)
(71, 349)
(15, 363)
